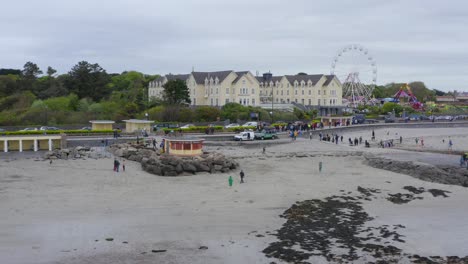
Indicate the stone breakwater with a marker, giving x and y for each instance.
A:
(76, 153)
(168, 165)
(440, 174)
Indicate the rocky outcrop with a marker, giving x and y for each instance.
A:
(75, 153)
(169, 165)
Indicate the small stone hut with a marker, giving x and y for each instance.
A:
(133, 125)
(101, 124)
(184, 146)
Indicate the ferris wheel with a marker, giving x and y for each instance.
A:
(356, 69)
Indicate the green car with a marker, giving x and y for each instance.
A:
(265, 134)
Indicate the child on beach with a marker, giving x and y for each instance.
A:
(123, 165)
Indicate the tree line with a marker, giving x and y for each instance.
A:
(87, 91)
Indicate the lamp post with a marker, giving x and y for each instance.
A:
(146, 115)
(271, 113)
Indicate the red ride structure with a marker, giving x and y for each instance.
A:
(412, 100)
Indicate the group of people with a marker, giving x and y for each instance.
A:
(334, 138)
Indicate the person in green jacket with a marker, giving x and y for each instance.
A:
(230, 181)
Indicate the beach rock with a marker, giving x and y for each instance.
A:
(119, 153)
(189, 167)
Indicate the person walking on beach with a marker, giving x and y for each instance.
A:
(123, 165)
(373, 135)
(115, 164)
(417, 140)
(401, 139)
(341, 138)
(360, 140)
(310, 135)
(422, 142)
(450, 144)
(242, 176)
(154, 144)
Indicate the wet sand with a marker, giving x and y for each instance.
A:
(54, 213)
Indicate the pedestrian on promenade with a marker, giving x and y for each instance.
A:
(242, 176)
(123, 165)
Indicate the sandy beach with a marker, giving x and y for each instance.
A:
(63, 212)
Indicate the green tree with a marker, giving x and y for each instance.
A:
(176, 92)
(234, 111)
(31, 70)
(207, 113)
(88, 80)
(51, 71)
(388, 107)
(8, 85)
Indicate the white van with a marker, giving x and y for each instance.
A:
(242, 136)
(250, 124)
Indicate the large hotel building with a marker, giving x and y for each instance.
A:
(317, 91)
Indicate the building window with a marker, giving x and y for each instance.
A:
(295, 92)
(318, 101)
(310, 101)
(324, 92)
(253, 101)
(277, 92)
(245, 101)
(240, 101)
(211, 90)
(287, 92)
(318, 92)
(302, 92)
(216, 101)
(310, 92)
(211, 101)
(281, 92)
(216, 90)
(276, 99)
(194, 101)
(288, 85)
(227, 101)
(243, 82)
(227, 90)
(295, 100)
(287, 100)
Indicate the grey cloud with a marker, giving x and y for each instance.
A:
(410, 40)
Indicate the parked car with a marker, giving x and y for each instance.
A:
(243, 136)
(250, 124)
(187, 126)
(86, 128)
(266, 134)
(232, 125)
(160, 126)
(2, 130)
(29, 129)
(45, 128)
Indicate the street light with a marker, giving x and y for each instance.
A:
(271, 115)
(146, 115)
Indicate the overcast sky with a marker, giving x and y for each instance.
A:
(423, 40)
